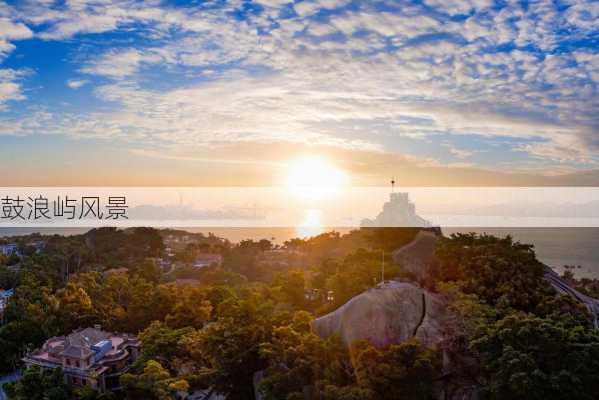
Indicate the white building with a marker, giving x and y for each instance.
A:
(8, 249)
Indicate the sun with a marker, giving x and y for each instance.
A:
(314, 178)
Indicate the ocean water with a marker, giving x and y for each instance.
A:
(555, 247)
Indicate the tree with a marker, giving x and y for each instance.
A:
(227, 351)
(293, 287)
(39, 384)
(148, 270)
(161, 343)
(73, 308)
(356, 273)
(13, 259)
(390, 238)
(8, 278)
(155, 382)
(401, 371)
(501, 272)
(300, 362)
(527, 357)
(87, 393)
(191, 309)
(148, 303)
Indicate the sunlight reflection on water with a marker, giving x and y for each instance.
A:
(310, 224)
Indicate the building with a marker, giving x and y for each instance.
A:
(206, 259)
(399, 211)
(9, 249)
(39, 245)
(89, 357)
(4, 296)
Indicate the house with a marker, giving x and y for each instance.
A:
(88, 357)
(4, 296)
(164, 264)
(169, 251)
(206, 259)
(38, 245)
(9, 249)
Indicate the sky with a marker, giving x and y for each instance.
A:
(434, 92)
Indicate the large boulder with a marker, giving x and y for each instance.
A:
(395, 312)
(390, 313)
(418, 257)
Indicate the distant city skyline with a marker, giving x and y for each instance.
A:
(190, 93)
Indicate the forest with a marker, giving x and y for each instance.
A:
(216, 329)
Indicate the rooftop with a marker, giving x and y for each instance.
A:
(82, 344)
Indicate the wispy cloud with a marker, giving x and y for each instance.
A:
(76, 83)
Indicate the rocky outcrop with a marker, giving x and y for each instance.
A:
(418, 257)
(395, 312)
(391, 313)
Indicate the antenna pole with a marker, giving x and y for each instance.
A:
(383, 269)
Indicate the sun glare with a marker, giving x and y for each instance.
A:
(314, 178)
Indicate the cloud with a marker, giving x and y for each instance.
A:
(349, 77)
(9, 91)
(457, 152)
(62, 21)
(306, 8)
(456, 7)
(385, 23)
(9, 31)
(76, 83)
(10, 88)
(119, 64)
(14, 30)
(273, 3)
(310, 7)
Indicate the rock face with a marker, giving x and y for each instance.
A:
(391, 313)
(418, 256)
(395, 312)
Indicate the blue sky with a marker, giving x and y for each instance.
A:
(219, 88)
